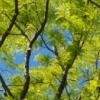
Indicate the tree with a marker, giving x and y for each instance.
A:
(67, 32)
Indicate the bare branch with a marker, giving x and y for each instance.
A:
(47, 47)
(19, 28)
(55, 52)
(5, 86)
(7, 32)
(69, 64)
(28, 54)
(4, 36)
(94, 3)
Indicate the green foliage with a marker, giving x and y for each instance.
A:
(43, 59)
(82, 22)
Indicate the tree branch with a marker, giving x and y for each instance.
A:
(19, 28)
(28, 53)
(7, 32)
(2, 41)
(47, 47)
(94, 3)
(55, 52)
(69, 64)
(5, 86)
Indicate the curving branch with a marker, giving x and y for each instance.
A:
(69, 64)
(28, 53)
(4, 36)
(19, 28)
(46, 46)
(5, 86)
(7, 32)
(55, 52)
(94, 3)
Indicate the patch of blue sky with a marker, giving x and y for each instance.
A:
(7, 73)
(19, 58)
(82, 82)
(67, 34)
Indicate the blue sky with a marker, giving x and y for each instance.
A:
(20, 57)
(7, 72)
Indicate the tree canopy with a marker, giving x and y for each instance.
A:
(59, 42)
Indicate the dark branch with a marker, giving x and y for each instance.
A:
(47, 47)
(94, 3)
(4, 36)
(19, 28)
(55, 52)
(7, 32)
(28, 54)
(5, 86)
(42, 25)
(69, 64)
